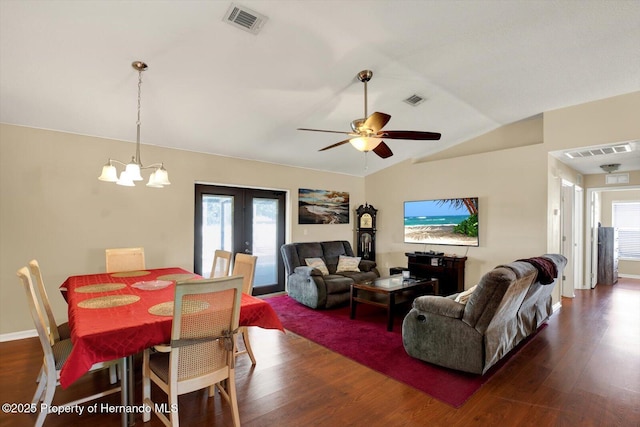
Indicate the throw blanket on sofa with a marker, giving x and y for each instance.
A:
(547, 270)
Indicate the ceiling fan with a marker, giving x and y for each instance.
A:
(367, 134)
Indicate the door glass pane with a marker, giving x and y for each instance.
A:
(265, 239)
(217, 228)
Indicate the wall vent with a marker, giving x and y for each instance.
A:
(615, 149)
(244, 18)
(415, 100)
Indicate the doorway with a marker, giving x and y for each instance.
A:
(571, 237)
(241, 220)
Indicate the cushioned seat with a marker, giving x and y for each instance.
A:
(472, 337)
(306, 282)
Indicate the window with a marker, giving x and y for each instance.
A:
(626, 218)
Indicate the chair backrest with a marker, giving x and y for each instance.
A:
(124, 259)
(221, 263)
(44, 299)
(36, 315)
(206, 315)
(245, 265)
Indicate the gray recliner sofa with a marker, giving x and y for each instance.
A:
(507, 305)
(309, 286)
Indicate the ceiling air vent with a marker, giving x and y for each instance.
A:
(244, 18)
(614, 149)
(415, 100)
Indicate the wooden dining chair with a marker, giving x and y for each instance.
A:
(55, 355)
(221, 263)
(124, 259)
(245, 265)
(60, 331)
(57, 332)
(202, 351)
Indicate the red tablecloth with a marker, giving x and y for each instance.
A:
(101, 334)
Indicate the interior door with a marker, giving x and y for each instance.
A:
(568, 244)
(243, 220)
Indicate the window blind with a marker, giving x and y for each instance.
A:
(626, 218)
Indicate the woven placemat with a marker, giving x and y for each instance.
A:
(131, 273)
(188, 307)
(108, 301)
(100, 287)
(178, 276)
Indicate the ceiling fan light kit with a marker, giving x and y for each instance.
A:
(132, 172)
(367, 134)
(364, 143)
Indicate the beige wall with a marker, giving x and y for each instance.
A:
(54, 209)
(511, 187)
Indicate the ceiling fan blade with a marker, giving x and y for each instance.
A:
(376, 121)
(409, 134)
(383, 150)
(337, 144)
(328, 131)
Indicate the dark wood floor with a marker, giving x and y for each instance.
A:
(581, 370)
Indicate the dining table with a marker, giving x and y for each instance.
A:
(114, 316)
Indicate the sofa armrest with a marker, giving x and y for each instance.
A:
(441, 306)
(366, 265)
(307, 271)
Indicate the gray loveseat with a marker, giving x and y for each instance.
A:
(508, 304)
(309, 286)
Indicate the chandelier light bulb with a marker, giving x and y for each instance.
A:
(125, 180)
(109, 173)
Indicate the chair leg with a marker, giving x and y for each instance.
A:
(113, 374)
(50, 389)
(247, 344)
(233, 401)
(173, 404)
(42, 382)
(146, 387)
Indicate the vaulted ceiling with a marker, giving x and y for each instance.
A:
(214, 88)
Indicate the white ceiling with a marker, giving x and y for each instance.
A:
(213, 88)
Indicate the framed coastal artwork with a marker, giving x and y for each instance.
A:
(323, 206)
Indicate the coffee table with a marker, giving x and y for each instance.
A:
(390, 292)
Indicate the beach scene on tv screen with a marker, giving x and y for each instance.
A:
(442, 222)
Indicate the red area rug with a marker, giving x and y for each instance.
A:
(366, 340)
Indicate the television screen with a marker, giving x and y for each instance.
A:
(442, 222)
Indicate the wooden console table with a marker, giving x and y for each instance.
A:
(448, 270)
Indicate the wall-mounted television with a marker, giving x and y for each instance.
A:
(451, 222)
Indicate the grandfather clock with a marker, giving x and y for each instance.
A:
(366, 231)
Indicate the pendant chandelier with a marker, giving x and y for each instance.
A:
(132, 170)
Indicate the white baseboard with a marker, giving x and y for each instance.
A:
(18, 335)
(629, 276)
(557, 306)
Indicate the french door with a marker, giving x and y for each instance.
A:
(243, 220)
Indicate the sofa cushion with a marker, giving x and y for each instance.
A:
(332, 251)
(309, 250)
(360, 276)
(317, 263)
(336, 284)
(348, 263)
